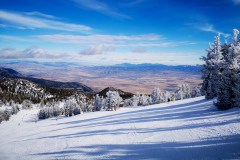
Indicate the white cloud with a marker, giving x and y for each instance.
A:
(13, 53)
(39, 14)
(95, 50)
(98, 38)
(100, 7)
(210, 28)
(139, 50)
(97, 58)
(148, 57)
(147, 40)
(8, 53)
(34, 53)
(30, 53)
(33, 22)
(15, 38)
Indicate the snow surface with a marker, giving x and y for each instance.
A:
(187, 129)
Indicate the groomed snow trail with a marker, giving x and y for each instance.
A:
(187, 129)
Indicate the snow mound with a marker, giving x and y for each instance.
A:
(187, 129)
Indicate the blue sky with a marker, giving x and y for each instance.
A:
(105, 32)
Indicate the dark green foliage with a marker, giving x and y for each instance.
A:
(222, 105)
(124, 95)
(76, 111)
(42, 114)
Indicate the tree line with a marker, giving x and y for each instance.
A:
(79, 104)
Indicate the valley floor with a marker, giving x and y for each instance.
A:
(187, 129)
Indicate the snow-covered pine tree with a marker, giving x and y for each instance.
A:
(15, 109)
(76, 109)
(83, 105)
(167, 96)
(183, 91)
(56, 109)
(235, 36)
(41, 105)
(113, 100)
(98, 103)
(66, 108)
(236, 64)
(127, 102)
(228, 94)
(135, 100)
(26, 104)
(102, 103)
(156, 96)
(90, 105)
(212, 68)
(196, 92)
(143, 100)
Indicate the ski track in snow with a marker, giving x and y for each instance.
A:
(187, 129)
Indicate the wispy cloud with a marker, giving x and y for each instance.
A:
(146, 40)
(147, 57)
(236, 1)
(15, 38)
(101, 7)
(133, 3)
(97, 56)
(210, 28)
(13, 53)
(139, 50)
(23, 21)
(95, 50)
(3, 26)
(39, 14)
(99, 38)
(29, 53)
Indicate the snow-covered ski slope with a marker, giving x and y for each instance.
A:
(187, 129)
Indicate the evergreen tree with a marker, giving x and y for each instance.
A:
(212, 69)
(113, 100)
(221, 73)
(196, 92)
(135, 100)
(156, 96)
(229, 86)
(98, 103)
(167, 96)
(144, 100)
(183, 91)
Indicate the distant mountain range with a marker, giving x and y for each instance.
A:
(19, 87)
(10, 73)
(145, 66)
(134, 78)
(154, 67)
